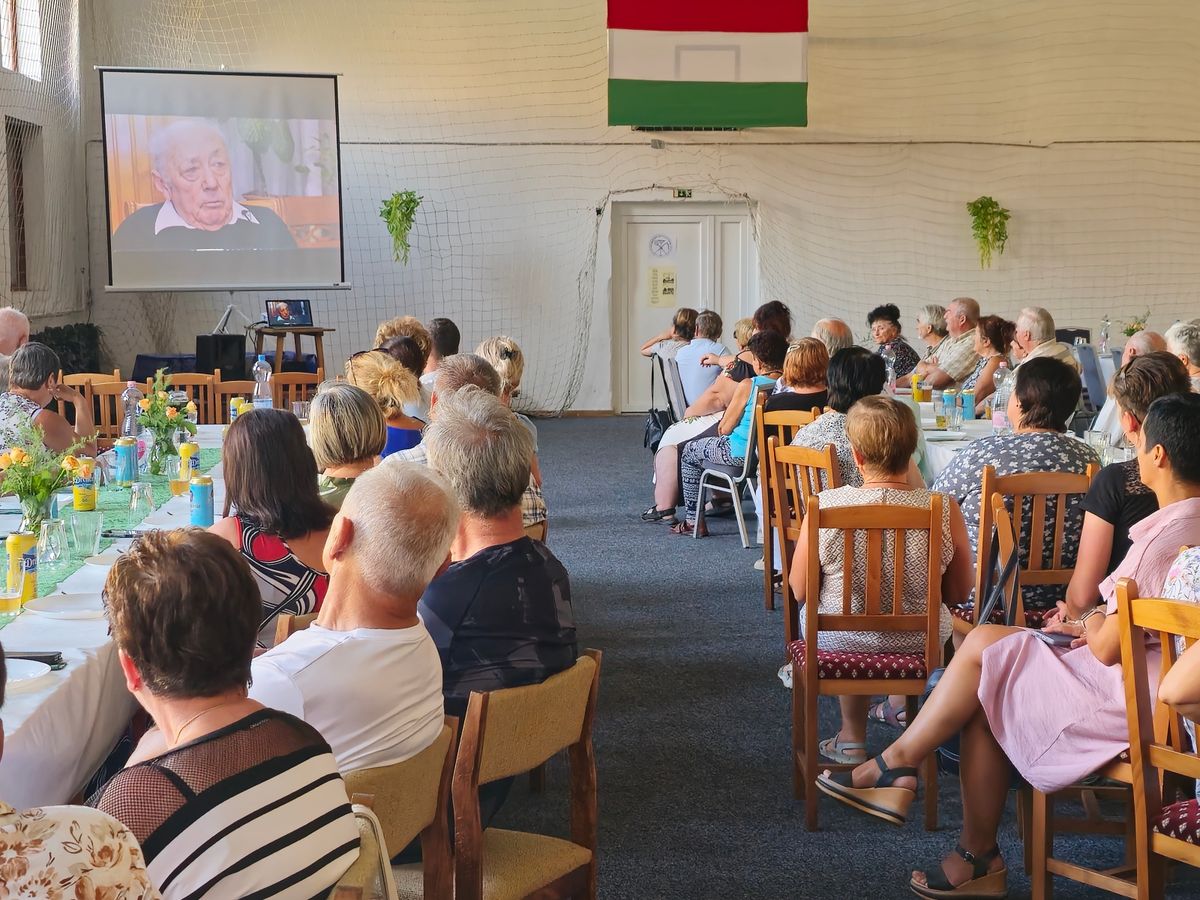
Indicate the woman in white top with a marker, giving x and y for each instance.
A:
(32, 386)
(883, 436)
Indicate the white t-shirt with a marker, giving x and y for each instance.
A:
(375, 694)
(428, 379)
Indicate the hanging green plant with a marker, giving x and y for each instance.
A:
(398, 212)
(989, 225)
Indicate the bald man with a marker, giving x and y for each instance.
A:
(14, 334)
(1108, 419)
(834, 334)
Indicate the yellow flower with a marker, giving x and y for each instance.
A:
(171, 412)
(85, 470)
(144, 403)
(162, 395)
(191, 407)
(18, 455)
(70, 463)
(5, 461)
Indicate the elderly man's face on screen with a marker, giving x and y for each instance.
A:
(193, 173)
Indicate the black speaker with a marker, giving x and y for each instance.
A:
(226, 352)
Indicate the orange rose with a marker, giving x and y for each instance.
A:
(18, 455)
(5, 461)
(144, 403)
(70, 463)
(171, 412)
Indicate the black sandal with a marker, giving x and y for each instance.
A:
(881, 800)
(983, 885)
(654, 514)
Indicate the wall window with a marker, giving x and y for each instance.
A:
(21, 37)
(23, 148)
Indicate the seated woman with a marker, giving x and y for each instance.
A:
(1044, 399)
(506, 358)
(728, 448)
(407, 351)
(883, 437)
(678, 334)
(802, 386)
(931, 328)
(1056, 713)
(227, 798)
(1117, 499)
(1181, 688)
(347, 433)
(393, 387)
(278, 520)
(771, 316)
(32, 386)
(992, 338)
(885, 331)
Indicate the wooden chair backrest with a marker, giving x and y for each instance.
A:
(874, 523)
(222, 391)
(106, 400)
(800, 473)
(199, 389)
(1157, 740)
(513, 730)
(782, 426)
(288, 387)
(287, 625)
(1007, 541)
(1040, 489)
(78, 379)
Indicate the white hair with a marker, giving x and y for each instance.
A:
(482, 449)
(14, 326)
(967, 306)
(1146, 342)
(935, 317)
(1038, 322)
(1183, 339)
(834, 334)
(164, 141)
(404, 518)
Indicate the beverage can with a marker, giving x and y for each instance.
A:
(968, 404)
(22, 564)
(189, 459)
(202, 501)
(84, 485)
(126, 451)
(235, 407)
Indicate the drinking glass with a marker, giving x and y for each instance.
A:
(141, 500)
(10, 600)
(1097, 440)
(179, 486)
(52, 545)
(954, 417)
(300, 409)
(85, 532)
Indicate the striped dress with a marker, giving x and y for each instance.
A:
(285, 583)
(255, 809)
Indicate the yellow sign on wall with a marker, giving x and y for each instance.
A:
(663, 289)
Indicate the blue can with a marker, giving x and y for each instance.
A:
(126, 451)
(968, 403)
(202, 501)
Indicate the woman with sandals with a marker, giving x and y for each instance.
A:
(1055, 713)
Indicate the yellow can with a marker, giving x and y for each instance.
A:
(84, 484)
(189, 460)
(22, 564)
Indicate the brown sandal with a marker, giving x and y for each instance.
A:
(686, 528)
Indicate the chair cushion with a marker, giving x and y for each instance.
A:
(410, 881)
(1180, 820)
(517, 863)
(731, 471)
(966, 612)
(862, 666)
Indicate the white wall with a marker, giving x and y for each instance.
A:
(1080, 117)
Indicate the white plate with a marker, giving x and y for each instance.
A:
(67, 606)
(23, 671)
(105, 560)
(946, 436)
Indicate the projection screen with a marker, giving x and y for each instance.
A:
(221, 181)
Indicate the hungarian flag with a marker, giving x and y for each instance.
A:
(707, 63)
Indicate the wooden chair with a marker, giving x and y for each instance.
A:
(1157, 740)
(800, 473)
(412, 799)
(537, 532)
(817, 673)
(106, 400)
(508, 732)
(781, 426)
(1040, 489)
(288, 387)
(370, 875)
(199, 389)
(83, 380)
(287, 625)
(222, 392)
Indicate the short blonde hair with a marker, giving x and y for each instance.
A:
(742, 329)
(884, 432)
(404, 326)
(346, 425)
(386, 380)
(805, 363)
(506, 358)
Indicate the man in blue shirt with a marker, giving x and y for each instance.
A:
(695, 377)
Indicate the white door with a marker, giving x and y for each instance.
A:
(668, 255)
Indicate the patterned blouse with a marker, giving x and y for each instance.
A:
(906, 357)
(1011, 453)
(916, 549)
(285, 583)
(16, 411)
(830, 428)
(63, 852)
(973, 379)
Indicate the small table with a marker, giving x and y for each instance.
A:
(280, 335)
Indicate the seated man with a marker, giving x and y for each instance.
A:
(834, 334)
(14, 334)
(445, 339)
(696, 378)
(1108, 419)
(955, 357)
(392, 535)
(501, 613)
(455, 372)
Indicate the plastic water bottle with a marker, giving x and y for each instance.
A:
(262, 397)
(1000, 397)
(130, 398)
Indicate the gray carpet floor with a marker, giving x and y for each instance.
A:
(692, 737)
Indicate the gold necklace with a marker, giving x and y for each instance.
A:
(182, 728)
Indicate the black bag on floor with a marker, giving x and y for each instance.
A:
(657, 420)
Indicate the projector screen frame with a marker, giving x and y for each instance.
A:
(342, 285)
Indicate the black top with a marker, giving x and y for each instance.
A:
(788, 401)
(137, 233)
(1118, 496)
(741, 370)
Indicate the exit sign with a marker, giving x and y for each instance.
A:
(683, 193)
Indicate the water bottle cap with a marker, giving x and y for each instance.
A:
(131, 383)
(262, 357)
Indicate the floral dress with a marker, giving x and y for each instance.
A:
(906, 358)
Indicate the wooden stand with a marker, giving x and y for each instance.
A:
(280, 335)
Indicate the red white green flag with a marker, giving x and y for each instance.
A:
(707, 63)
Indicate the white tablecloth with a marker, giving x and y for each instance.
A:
(938, 453)
(59, 728)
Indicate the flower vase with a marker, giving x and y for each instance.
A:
(161, 450)
(36, 510)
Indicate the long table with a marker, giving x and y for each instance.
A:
(59, 728)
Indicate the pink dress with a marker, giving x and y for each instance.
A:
(1059, 715)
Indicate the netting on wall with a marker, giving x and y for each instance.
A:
(41, 217)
